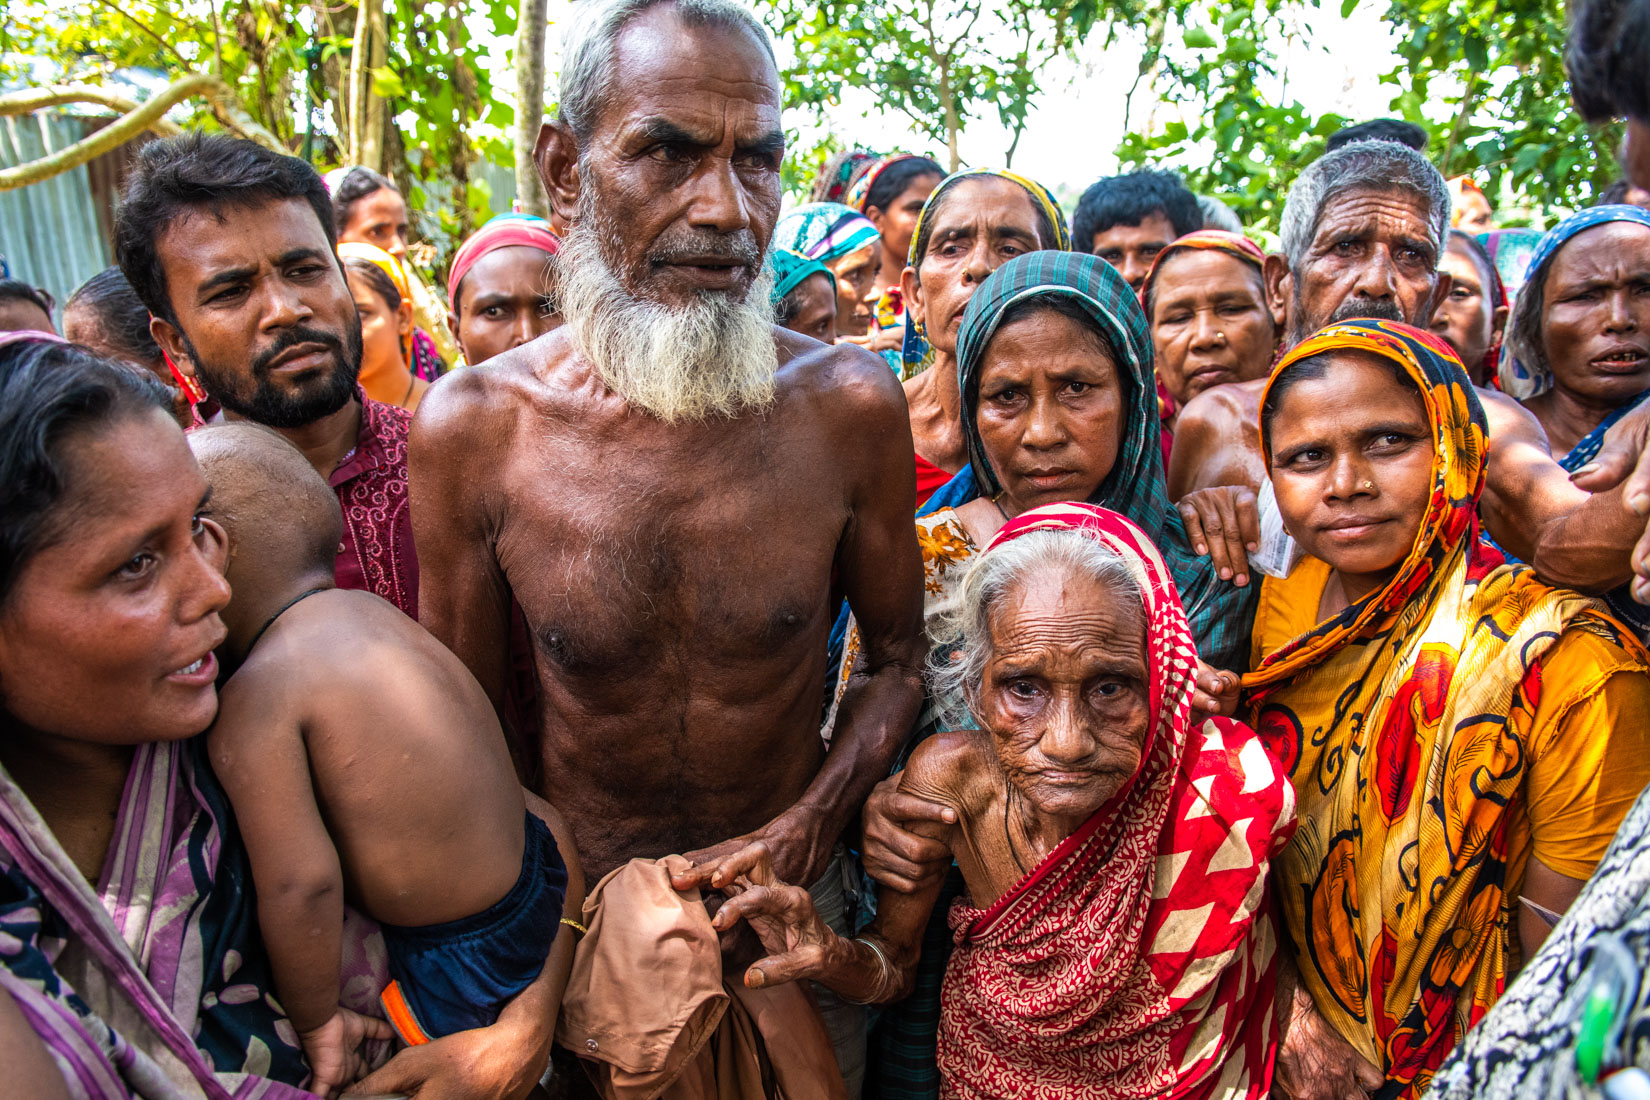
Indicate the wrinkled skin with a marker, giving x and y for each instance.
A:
(857, 289)
(1063, 700)
(1595, 328)
(1210, 322)
(711, 649)
(981, 224)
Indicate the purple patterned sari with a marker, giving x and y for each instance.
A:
(155, 983)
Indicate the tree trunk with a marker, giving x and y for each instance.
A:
(366, 114)
(530, 23)
(948, 101)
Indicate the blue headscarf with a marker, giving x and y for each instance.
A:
(1220, 613)
(1521, 376)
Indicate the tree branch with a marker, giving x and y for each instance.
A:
(112, 136)
(55, 95)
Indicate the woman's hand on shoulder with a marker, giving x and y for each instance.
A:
(1223, 523)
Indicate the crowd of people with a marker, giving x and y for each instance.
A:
(906, 645)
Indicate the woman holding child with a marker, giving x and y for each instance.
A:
(130, 957)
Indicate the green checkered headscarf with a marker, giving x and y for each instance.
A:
(1221, 614)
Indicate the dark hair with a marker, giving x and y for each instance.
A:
(175, 175)
(895, 178)
(1312, 369)
(122, 318)
(1047, 237)
(382, 285)
(1130, 199)
(1379, 129)
(16, 290)
(356, 185)
(1481, 260)
(1613, 194)
(48, 391)
(1608, 59)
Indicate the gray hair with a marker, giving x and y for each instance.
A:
(956, 665)
(592, 38)
(1361, 166)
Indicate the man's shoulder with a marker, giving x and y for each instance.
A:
(1219, 404)
(854, 380)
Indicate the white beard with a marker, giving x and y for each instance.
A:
(713, 357)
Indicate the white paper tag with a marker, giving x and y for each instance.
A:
(1278, 554)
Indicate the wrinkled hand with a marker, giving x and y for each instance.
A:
(782, 916)
(1216, 693)
(796, 845)
(334, 1049)
(1224, 523)
(501, 1062)
(896, 857)
(1624, 457)
(1315, 1063)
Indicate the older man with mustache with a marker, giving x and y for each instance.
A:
(674, 491)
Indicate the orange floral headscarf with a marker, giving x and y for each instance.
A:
(1405, 723)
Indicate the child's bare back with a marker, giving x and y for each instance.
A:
(349, 727)
(365, 764)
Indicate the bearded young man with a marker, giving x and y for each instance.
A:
(230, 247)
(673, 490)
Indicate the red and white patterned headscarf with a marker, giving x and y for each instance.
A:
(1138, 958)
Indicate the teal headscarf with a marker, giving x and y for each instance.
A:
(791, 271)
(1221, 614)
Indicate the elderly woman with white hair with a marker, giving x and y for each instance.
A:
(1115, 938)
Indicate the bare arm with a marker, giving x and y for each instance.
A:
(1214, 444)
(264, 769)
(560, 963)
(1532, 508)
(1547, 890)
(463, 598)
(30, 1070)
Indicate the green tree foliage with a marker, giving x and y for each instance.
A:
(938, 62)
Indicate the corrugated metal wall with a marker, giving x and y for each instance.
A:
(50, 231)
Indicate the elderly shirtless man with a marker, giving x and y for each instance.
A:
(673, 490)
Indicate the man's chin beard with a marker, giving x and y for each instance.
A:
(714, 357)
(274, 409)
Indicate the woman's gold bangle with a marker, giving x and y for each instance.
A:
(575, 926)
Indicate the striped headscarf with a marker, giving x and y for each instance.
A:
(1219, 611)
(861, 190)
(824, 231)
(916, 354)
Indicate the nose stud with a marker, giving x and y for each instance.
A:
(1369, 486)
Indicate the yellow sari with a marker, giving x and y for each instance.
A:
(1410, 723)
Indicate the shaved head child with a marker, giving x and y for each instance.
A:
(366, 764)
